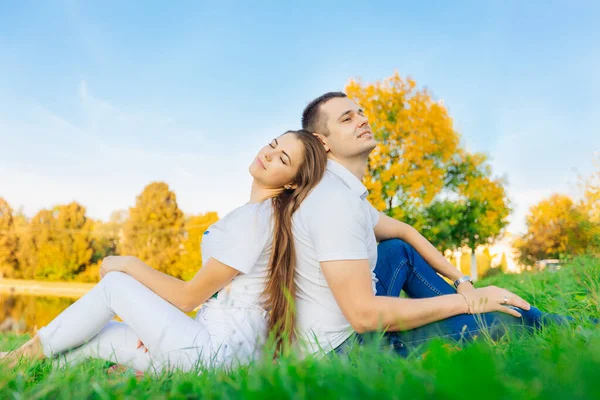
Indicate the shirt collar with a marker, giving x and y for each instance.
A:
(348, 178)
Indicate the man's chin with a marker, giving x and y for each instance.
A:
(367, 149)
(370, 145)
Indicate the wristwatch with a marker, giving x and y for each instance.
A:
(462, 279)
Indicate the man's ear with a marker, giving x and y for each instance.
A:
(323, 141)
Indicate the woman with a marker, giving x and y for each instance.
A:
(250, 262)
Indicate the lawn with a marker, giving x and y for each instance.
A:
(558, 363)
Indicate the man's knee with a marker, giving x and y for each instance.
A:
(394, 246)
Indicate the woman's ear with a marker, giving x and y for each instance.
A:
(323, 141)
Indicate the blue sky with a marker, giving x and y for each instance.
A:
(98, 99)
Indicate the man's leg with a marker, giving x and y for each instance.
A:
(400, 267)
(460, 329)
(465, 328)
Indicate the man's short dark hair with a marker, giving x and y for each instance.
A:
(312, 117)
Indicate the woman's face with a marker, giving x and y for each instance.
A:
(277, 163)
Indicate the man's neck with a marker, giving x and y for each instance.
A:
(356, 165)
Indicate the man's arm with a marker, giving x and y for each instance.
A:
(350, 283)
(389, 228)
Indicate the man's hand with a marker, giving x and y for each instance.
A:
(115, 263)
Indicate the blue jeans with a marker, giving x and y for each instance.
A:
(400, 267)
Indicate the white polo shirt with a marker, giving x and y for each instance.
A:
(335, 222)
(236, 319)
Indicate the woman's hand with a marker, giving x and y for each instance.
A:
(141, 345)
(465, 287)
(492, 298)
(115, 263)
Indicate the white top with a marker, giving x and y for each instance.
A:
(236, 319)
(335, 222)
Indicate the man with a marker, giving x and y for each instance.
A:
(348, 285)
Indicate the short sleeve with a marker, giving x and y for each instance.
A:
(374, 215)
(337, 226)
(243, 238)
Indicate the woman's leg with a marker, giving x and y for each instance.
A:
(172, 337)
(116, 342)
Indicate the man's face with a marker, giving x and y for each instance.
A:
(350, 134)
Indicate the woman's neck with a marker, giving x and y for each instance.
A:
(259, 193)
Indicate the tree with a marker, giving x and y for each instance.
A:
(556, 228)
(485, 205)
(35, 235)
(154, 230)
(477, 214)
(9, 264)
(418, 173)
(191, 257)
(62, 242)
(416, 143)
(106, 235)
(57, 244)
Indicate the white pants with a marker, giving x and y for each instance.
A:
(85, 330)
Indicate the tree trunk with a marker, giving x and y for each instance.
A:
(473, 265)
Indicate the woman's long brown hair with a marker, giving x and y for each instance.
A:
(280, 290)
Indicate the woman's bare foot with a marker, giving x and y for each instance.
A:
(32, 349)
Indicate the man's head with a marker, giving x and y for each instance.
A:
(340, 124)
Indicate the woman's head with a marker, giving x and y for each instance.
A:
(295, 162)
(293, 156)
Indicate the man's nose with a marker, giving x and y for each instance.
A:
(362, 120)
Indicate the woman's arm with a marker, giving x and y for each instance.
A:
(389, 228)
(186, 296)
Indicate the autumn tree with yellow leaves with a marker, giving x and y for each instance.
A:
(8, 241)
(191, 256)
(56, 244)
(62, 243)
(421, 175)
(154, 230)
(556, 228)
(416, 144)
(560, 227)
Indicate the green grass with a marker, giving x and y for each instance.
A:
(558, 363)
